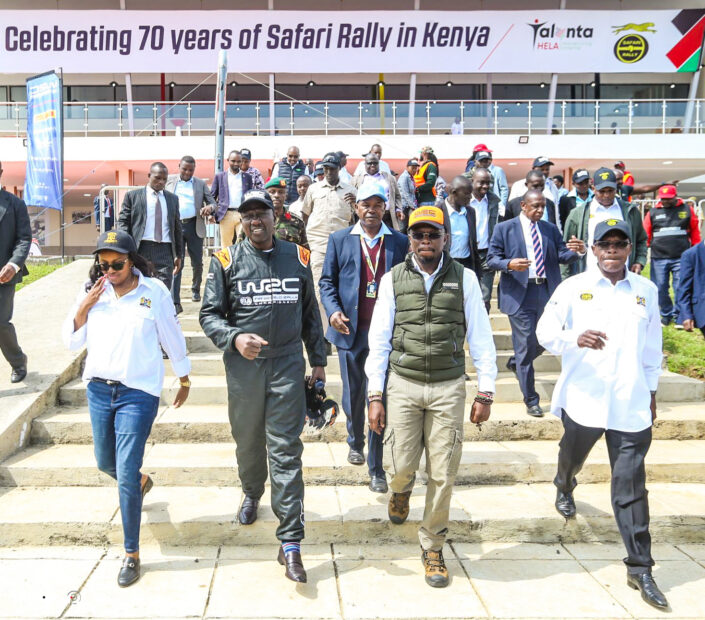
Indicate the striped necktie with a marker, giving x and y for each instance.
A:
(157, 218)
(538, 252)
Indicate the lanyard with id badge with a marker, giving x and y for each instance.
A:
(371, 287)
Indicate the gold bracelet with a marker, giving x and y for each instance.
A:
(186, 384)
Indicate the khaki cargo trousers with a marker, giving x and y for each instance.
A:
(426, 417)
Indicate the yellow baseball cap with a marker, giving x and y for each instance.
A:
(433, 216)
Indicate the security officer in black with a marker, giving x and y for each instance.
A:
(258, 306)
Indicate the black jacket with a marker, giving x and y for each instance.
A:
(474, 258)
(270, 294)
(15, 234)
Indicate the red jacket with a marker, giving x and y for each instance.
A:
(694, 225)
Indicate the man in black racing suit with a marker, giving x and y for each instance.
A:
(258, 305)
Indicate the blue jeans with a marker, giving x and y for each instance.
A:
(121, 419)
(661, 269)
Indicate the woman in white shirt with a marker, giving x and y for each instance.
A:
(123, 315)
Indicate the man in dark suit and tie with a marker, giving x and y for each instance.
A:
(534, 180)
(195, 203)
(151, 216)
(228, 189)
(108, 211)
(355, 260)
(527, 251)
(15, 239)
(690, 296)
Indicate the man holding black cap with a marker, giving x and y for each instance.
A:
(345, 176)
(328, 206)
(426, 308)
(251, 171)
(671, 228)
(356, 259)
(605, 205)
(258, 306)
(500, 187)
(604, 323)
(576, 197)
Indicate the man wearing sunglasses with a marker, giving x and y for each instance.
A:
(258, 307)
(605, 325)
(426, 308)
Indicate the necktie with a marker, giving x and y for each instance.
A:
(157, 218)
(538, 252)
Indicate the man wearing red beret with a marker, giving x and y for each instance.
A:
(671, 228)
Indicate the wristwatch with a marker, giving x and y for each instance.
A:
(186, 383)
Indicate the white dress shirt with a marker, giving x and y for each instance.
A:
(482, 221)
(187, 206)
(345, 176)
(149, 225)
(479, 332)
(598, 214)
(526, 229)
(123, 335)
(609, 388)
(234, 189)
(459, 231)
(383, 167)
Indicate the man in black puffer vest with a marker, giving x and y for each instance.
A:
(290, 169)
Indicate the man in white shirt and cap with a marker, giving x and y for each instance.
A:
(605, 325)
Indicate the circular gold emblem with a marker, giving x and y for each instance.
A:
(631, 48)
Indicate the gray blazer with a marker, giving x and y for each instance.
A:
(394, 195)
(133, 217)
(15, 234)
(202, 197)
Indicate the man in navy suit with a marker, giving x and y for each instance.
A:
(228, 189)
(355, 260)
(690, 296)
(527, 250)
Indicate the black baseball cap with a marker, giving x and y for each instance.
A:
(246, 153)
(117, 241)
(413, 162)
(580, 175)
(542, 160)
(318, 168)
(256, 197)
(605, 177)
(480, 155)
(340, 154)
(330, 160)
(608, 226)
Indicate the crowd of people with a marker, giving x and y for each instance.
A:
(397, 273)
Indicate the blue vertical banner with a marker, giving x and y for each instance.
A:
(43, 185)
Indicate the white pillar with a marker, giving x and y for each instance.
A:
(130, 111)
(550, 113)
(490, 107)
(412, 102)
(272, 124)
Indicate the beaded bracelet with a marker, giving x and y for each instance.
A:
(372, 399)
(486, 398)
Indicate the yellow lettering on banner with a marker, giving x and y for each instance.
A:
(304, 255)
(224, 257)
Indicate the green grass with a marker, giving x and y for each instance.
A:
(36, 271)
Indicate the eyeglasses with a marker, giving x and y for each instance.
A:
(117, 265)
(418, 236)
(251, 216)
(608, 245)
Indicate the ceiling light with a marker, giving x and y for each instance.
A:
(667, 163)
(592, 84)
(380, 84)
(113, 83)
(523, 139)
(449, 83)
(233, 84)
(542, 85)
(172, 84)
(673, 86)
(310, 83)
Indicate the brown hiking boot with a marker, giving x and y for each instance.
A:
(436, 571)
(398, 509)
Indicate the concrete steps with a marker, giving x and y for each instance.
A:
(200, 515)
(209, 423)
(213, 464)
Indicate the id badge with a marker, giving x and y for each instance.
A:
(371, 290)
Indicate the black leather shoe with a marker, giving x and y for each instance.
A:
(378, 484)
(179, 308)
(649, 590)
(512, 368)
(147, 487)
(565, 504)
(130, 572)
(294, 566)
(248, 511)
(18, 374)
(356, 457)
(196, 296)
(535, 411)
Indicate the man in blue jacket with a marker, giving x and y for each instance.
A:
(528, 251)
(690, 296)
(356, 259)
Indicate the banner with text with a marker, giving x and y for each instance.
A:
(43, 183)
(353, 41)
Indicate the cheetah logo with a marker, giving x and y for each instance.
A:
(645, 27)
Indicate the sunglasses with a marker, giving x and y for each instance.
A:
(617, 245)
(418, 236)
(117, 265)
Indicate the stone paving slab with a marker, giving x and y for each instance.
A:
(345, 582)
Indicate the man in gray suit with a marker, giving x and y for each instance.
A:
(151, 216)
(15, 239)
(195, 203)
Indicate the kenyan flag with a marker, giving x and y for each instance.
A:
(685, 54)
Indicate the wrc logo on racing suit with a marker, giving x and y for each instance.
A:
(269, 291)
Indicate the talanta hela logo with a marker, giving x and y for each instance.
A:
(631, 48)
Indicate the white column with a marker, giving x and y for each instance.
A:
(490, 107)
(412, 102)
(130, 111)
(272, 125)
(550, 113)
